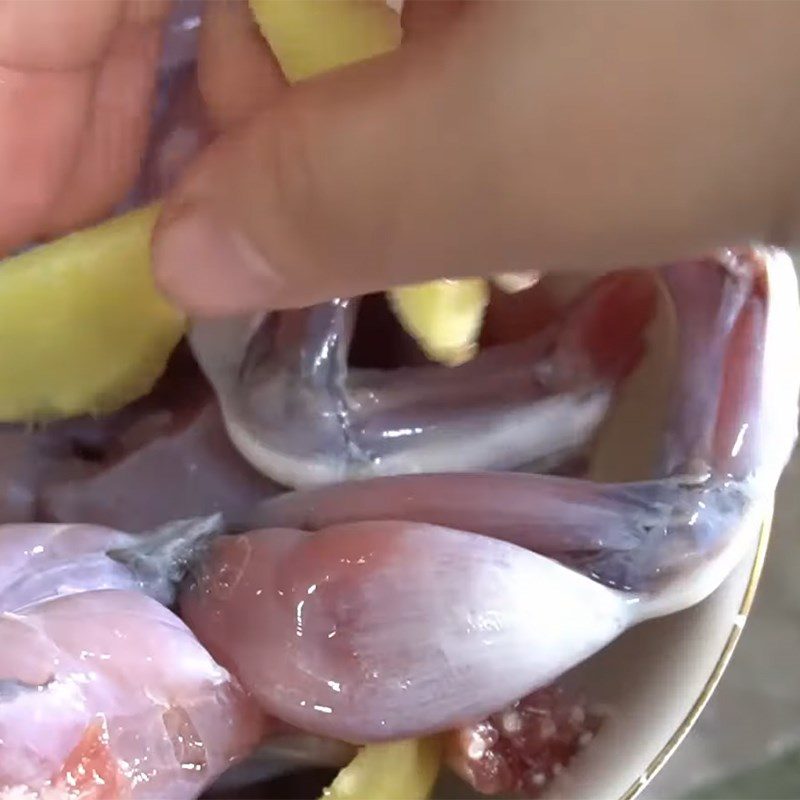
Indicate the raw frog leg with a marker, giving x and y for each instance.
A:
(296, 412)
(100, 683)
(377, 631)
(382, 624)
(172, 717)
(301, 416)
(40, 562)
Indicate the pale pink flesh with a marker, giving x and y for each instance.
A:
(638, 535)
(84, 649)
(369, 630)
(175, 719)
(163, 457)
(84, 646)
(40, 562)
(382, 630)
(191, 471)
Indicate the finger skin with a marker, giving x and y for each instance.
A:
(234, 89)
(122, 658)
(522, 135)
(76, 80)
(115, 129)
(34, 160)
(56, 34)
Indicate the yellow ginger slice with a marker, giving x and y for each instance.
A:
(309, 37)
(82, 326)
(403, 770)
(444, 316)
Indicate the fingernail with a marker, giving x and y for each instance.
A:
(208, 268)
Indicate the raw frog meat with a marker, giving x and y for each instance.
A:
(401, 606)
(104, 692)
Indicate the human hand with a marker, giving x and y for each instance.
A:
(500, 137)
(76, 83)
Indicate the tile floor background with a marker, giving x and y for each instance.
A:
(747, 742)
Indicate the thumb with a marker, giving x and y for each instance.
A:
(341, 188)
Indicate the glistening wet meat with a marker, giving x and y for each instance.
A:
(96, 673)
(300, 414)
(378, 628)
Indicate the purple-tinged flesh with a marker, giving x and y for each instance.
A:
(378, 624)
(301, 415)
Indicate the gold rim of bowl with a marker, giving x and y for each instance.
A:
(718, 670)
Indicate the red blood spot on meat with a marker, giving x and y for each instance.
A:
(524, 746)
(91, 772)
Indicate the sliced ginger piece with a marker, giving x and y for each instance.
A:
(444, 316)
(309, 37)
(404, 770)
(82, 326)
